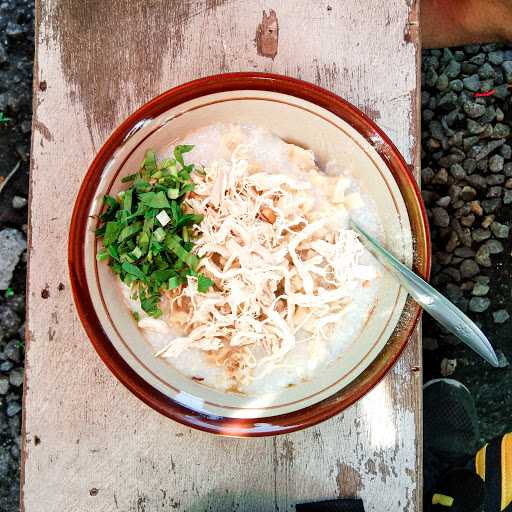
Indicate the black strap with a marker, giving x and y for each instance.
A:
(341, 505)
(493, 476)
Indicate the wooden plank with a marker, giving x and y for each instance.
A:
(91, 446)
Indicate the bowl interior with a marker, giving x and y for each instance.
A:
(302, 123)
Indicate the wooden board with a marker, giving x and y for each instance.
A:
(91, 446)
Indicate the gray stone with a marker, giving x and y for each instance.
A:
(468, 193)
(502, 92)
(496, 57)
(495, 179)
(469, 142)
(486, 71)
(506, 151)
(3, 55)
(468, 220)
(488, 148)
(500, 230)
(471, 49)
(443, 202)
(426, 175)
(457, 171)
(13, 408)
(502, 359)
(507, 197)
(494, 191)
(487, 85)
(479, 304)
(480, 289)
(471, 83)
(483, 279)
(490, 114)
(18, 202)
(500, 316)
(16, 377)
(480, 235)
(468, 269)
(491, 205)
(12, 245)
(500, 131)
(436, 130)
(456, 85)
(483, 256)
(453, 292)
(9, 322)
(14, 31)
(473, 109)
(4, 463)
(448, 101)
(507, 169)
(468, 68)
(12, 351)
(464, 252)
(507, 70)
(469, 164)
(440, 217)
(427, 114)
(452, 70)
(442, 82)
(431, 77)
(499, 114)
(441, 177)
(494, 246)
(6, 366)
(474, 128)
(478, 59)
(4, 384)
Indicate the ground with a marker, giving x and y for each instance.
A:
(467, 184)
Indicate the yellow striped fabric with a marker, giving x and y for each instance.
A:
(506, 471)
(480, 462)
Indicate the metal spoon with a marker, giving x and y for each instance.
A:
(438, 306)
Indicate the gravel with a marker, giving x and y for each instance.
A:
(12, 245)
(16, 54)
(500, 316)
(479, 304)
(467, 187)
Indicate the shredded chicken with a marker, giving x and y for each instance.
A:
(283, 263)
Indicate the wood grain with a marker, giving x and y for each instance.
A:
(91, 446)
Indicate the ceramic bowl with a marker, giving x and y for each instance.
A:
(298, 112)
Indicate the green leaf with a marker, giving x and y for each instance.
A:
(129, 231)
(189, 219)
(203, 283)
(112, 231)
(102, 255)
(136, 316)
(110, 201)
(180, 150)
(127, 199)
(174, 245)
(173, 193)
(174, 282)
(155, 200)
(134, 271)
(129, 178)
(159, 234)
(150, 161)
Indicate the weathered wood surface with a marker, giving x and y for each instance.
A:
(89, 444)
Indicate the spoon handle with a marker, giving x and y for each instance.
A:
(437, 305)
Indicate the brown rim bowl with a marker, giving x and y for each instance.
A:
(297, 111)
